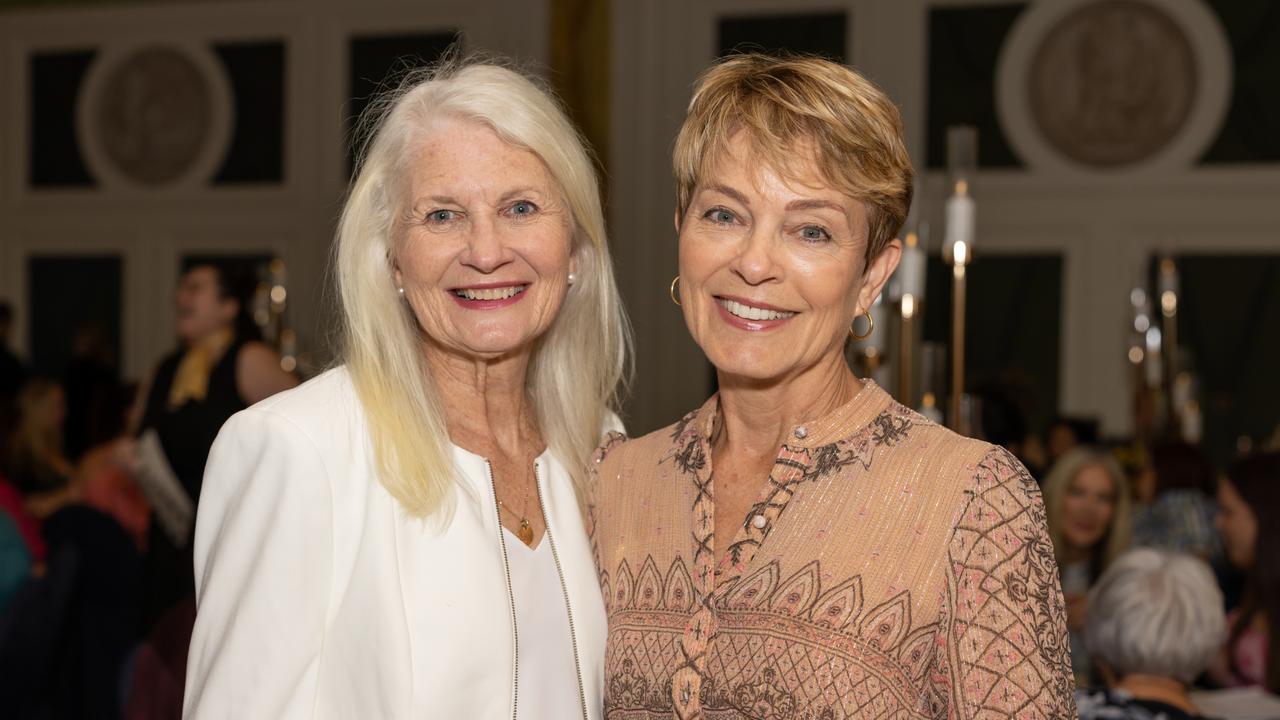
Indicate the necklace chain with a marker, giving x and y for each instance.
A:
(524, 532)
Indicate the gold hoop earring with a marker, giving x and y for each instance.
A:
(675, 298)
(871, 325)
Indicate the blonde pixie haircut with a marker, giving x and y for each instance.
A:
(790, 108)
(578, 366)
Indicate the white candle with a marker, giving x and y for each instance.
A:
(911, 271)
(962, 215)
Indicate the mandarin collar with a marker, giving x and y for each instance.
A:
(841, 423)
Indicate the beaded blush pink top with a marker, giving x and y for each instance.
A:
(890, 569)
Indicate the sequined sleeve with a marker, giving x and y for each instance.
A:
(1005, 629)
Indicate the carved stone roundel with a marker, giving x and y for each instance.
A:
(1112, 83)
(154, 115)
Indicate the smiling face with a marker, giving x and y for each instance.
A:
(484, 244)
(772, 268)
(1088, 507)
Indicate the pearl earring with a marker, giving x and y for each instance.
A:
(401, 291)
(572, 278)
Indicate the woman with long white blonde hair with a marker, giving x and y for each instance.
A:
(402, 536)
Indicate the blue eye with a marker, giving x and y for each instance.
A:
(813, 233)
(523, 208)
(440, 216)
(720, 216)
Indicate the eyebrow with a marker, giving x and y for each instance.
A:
(726, 190)
(518, 192)
(815, 205)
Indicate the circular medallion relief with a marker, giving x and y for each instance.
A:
(1113, 85)
(154, 116)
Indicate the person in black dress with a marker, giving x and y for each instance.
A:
(220, 368)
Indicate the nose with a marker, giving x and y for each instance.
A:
(486, 249)
(755, 263)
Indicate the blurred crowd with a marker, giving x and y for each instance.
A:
(96, 583)
(1164, 559)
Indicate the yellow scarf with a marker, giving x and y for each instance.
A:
(191, 380)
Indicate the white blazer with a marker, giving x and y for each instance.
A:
(317, 597)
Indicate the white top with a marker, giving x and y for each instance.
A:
(318, 598)
(548, 680)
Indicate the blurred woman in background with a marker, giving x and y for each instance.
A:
(37, 465)
(1154, 623)
(220, 367)
(1087, 502)
(1248, 505)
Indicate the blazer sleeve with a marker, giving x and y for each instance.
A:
(1005, 627)
(263, 557)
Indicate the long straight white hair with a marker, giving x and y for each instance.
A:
(579, 366)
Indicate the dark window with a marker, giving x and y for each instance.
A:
(1251, 130)
(820, 34)
(256, 72)
(1227, 309)
(378, 61)
(1013, 313)
(964, 47)
(55, 82)
(67, 296)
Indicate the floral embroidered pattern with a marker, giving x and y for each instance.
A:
(890, 570)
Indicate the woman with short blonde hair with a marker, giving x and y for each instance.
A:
(802, 545)
(402, 536)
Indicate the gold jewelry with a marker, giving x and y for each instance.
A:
(675, 298)
(871, 325)
(525, 531)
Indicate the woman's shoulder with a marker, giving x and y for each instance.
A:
(944, 454)
(329, 392)
(324, 410)
(617, 450)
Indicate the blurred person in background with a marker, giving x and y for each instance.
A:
(1154, 623)
(1066, 433)
(1087, 503)
(36, 463)
(1174, 508)
(220, 367)
(93, 389)
(1249, 520)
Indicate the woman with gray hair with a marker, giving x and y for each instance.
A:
(1154, 624)
(402, 536)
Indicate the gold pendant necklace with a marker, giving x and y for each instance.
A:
(525, 531)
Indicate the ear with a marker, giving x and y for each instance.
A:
(877, 274)
(675, 219)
